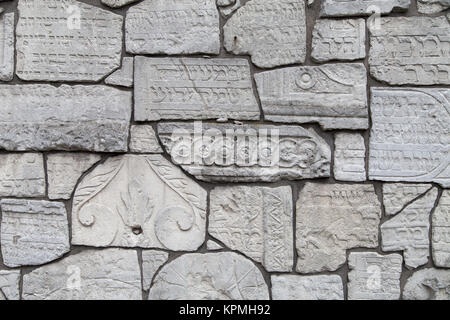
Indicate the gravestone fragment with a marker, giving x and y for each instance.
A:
(9, 284)
(144, 140)
(295, 287)
(124, 76)
(397, 195)
(349, 157)
(428, 284)
(7, 46)
(152, 260)
(441, 231)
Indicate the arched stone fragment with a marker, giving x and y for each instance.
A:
(428, 284)
(441, 231)
(139, 201)
(211, 276)
(111, 274)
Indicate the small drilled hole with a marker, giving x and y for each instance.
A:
(137, 230)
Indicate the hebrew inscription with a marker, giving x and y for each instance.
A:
(293, 287)
(441, 231)
(349, 157)
(6, 46)
(397, 195)
(334, 95)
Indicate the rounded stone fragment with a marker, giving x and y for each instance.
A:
(428, 284)
(211, 276)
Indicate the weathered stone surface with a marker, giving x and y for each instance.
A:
(6, 46)
(1, 10)
(334, 95)
(124, 76)
(211, 276)
(173, 27)
(111, 274)
(373, 276)
(397, 195)
(139, 201)
(118, 3)
(441, 231)
(339, 39)
(409, 230)
(246, 153)
(332, 218)
(77, 42)
(144, 140)
(349, 157)
(340, 8)
(194, 88)
(256, 221)
(213, 246)
(411, 50)
(152, 260)
(33, 232)
(43, 117)
(410, 135)
(64, 170)
(22, 175)
(428, 284)
(9, 284)
(273, 33)
(432, 6)
(293, 287)
(227, 7)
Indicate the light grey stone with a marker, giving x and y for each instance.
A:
(410, 138)
(144, 140)
(22, 175)
(431, 7)
(294, 287)
(256, 221)
(213, 246)
(339, 8)
(349, 157)
(118, 3)
(211, 276)
(1, 10)
(246, 153)
(6, 46)
(124, 76)
(272, 33)
(111, 274)
(397, 195)
(373, 276)
(334, 95)
(339, 39)
(194, 88)
(139, 201)
(9, 284)
(33, 232)
(77, 42)
(64, 170)
(173, 27)
(428, 284)
(72, 118)
(152, 260)
(409, 230)
(441, 232)
(411, 50)
(332, 218)
(228, 7)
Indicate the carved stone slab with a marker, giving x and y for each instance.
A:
(409, 230)
(373, 276)
(441, 232)
(411, 50)
(342, 8)
(6, 46)
(246, 153)
(111, 274)
(33, 232)
(428, 284)
(124, 76)
(67, 41)
(397, 195)
(410, 135)
(339, 39)
(152, 260)
(256, 221)
(349, 157)
(117, 3)
(272, 32)
(64, 170)
(194, 88)
(334, 95)
(293, 287)
(173, 27)
(211, 276)
(432, 6)
(9, 284)
(22, 175)
(139, 201)
(332, 218)
(43, 117)
(144, 140)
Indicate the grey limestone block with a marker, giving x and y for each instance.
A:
(397, 195)
(143, 140)
(428, 284)
(152, 260)
(349, 157)
(441, 231)
(9, 284)
(124, 76)
(296, 287)
(7, 46)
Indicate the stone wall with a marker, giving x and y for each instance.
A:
(188, 149)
